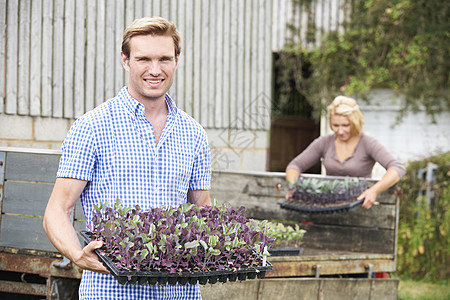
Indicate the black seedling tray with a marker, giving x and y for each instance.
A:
(291, 204)
(285, 251)
(182, 278)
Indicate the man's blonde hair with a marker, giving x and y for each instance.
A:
(347, 107)
(151, 26)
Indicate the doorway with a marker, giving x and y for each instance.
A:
(292, 126)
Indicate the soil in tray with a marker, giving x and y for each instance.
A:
(182, 278)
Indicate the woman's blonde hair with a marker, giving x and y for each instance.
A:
(347, 107)
(151, 26)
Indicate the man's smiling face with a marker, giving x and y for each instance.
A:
(151, 67)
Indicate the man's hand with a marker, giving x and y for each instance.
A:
(88, 260)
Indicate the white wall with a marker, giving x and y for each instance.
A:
(414, 138)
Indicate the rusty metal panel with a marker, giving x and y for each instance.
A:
(45, 266)
(24, 288)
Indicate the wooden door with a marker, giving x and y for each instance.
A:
(289, 136)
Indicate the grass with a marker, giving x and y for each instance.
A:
(418, 290)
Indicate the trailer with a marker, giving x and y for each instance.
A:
(336, 246)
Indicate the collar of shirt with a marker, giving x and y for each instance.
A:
(132, 105)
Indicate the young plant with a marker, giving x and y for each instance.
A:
(323, 192)
(183, 239)
(286, 236)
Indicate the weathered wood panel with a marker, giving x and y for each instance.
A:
(69, 59)
(346, 238)
(24, 232)
(26, 198)
(11, 58)
(47, 66)
(23, 107)
(63, 58)
(260, 197)
(35, 58)
(31, 167)
(303, 288)
(3, 8)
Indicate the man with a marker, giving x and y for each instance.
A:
(138, 147)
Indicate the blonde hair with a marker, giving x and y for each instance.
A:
(347, 107)
(151, 26)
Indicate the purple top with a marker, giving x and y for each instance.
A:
(359, 164)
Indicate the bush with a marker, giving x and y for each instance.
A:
(423, 243)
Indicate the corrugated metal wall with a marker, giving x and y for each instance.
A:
(323, 15)
(60, 58)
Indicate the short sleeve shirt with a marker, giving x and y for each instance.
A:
(113, 147)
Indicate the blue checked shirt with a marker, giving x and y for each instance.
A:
(113, 147)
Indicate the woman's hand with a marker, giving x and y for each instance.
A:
(370, 196)
(290, 193)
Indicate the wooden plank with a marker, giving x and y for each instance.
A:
(173, 11)
(165, 9)
(69, 60)
(288, 289)
(218, 72)
(334, 289)
(147, 8)
(329, 265)
(120, 74)
(2, 179)
(46, 72)
(100, 57)
(111, 51)
(303, 288)
(23, 84)
(342, 238)
(31, 167)
(226, 114)
(11, 58)
(204, 63)
(189, 58)
(197, 48)
(129, 12)
(181, 70)
(3, 27)
(79, 213)
(58, 59)
(248, 45)
(157, 8)
(238, 290)
(89, 95)
(26, 198)
(138, 9)
(382, 289)
(255, 28)
(79, 64)
(24, 232)
(230, 103)
(35, 58)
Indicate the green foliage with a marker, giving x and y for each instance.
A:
(285, 235)
(423, 240)
(397, 44)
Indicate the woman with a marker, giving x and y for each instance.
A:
(347, 152)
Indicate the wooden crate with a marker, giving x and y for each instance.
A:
(358, 241)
